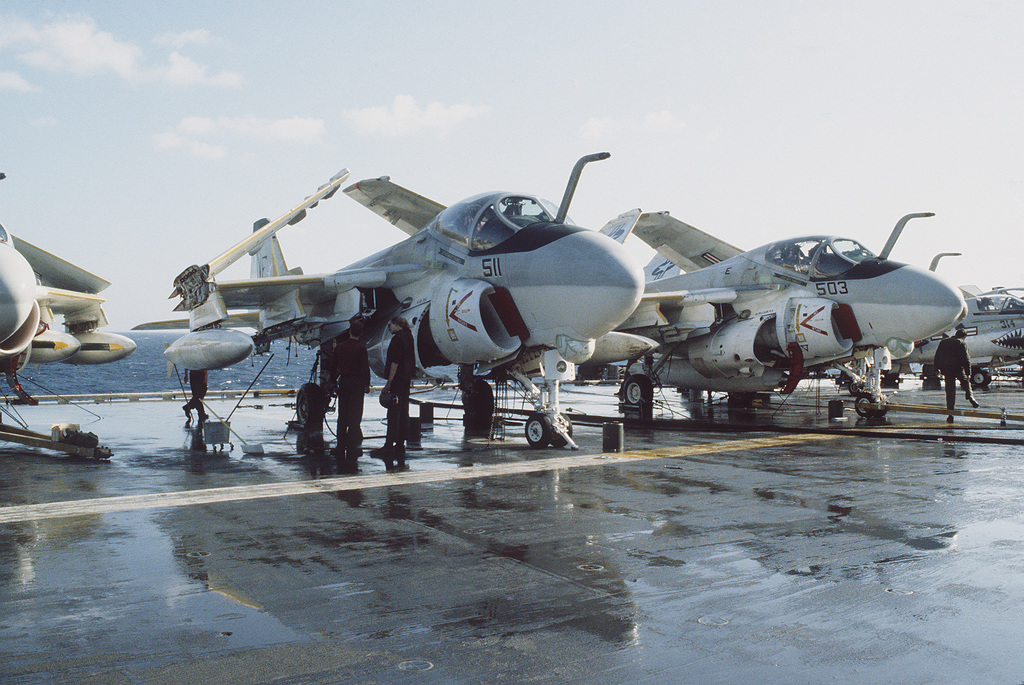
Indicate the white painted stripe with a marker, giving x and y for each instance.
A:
(108, 505)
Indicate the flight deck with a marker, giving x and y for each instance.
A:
(779, 542)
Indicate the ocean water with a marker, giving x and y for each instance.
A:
(146, 371)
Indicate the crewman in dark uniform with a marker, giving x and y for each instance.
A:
(954, 363)
(398, 367)
(351, 367)
(197, 381)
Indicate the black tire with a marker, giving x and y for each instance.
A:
(980, 378)
(862, 405)
(539, 430)
(310, 404)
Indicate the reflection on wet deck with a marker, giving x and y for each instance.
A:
(696, 554)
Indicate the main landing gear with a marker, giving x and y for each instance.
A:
(636, 396)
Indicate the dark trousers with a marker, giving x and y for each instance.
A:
(351, 392)
(398, 421)
(197, 403)
(952, 376)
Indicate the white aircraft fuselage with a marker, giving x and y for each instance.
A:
(27, 309)
(789, 306)
(19, 311)
(486, 288)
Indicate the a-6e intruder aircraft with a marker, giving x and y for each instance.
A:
(745, 322)
(35, 287)
(500, 280)
(995, 335)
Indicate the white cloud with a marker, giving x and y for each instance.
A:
(73, 45)
(180, 40)
(76, 45)
(12, 80)
(193, 134)
(404, 116)
(174, 141)
(182, 71)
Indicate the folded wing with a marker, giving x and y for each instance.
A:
(401, 207)
(689, 248)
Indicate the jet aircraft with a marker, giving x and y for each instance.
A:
(500, 281)
(995, 335)
(34, 287)
(744, 322)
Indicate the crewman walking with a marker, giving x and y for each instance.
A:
(197, 381)
(954, 363)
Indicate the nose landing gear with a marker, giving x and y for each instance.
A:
(547, 426)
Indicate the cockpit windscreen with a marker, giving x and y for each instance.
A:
(818, 257)
(486, 221)
(3, 234)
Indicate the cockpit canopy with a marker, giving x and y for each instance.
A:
(818, 257)
(3, 234)
(999, 303)
(486, 221)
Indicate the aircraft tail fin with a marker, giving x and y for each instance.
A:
(268, 259)
(619, 228)
(660, 267)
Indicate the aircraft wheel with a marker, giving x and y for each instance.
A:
(563, 422)
(980, 378)
(539, 430)
(856, 388)
(863, 406)
(638, 389)
(310, 403)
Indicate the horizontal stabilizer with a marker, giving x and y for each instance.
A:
(689, 248)
(399, 206)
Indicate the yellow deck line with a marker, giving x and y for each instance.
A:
(110, 505)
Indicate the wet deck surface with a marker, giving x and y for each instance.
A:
(695, 556)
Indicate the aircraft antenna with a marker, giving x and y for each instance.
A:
(894, 236)
(936, 258)
(574, 178)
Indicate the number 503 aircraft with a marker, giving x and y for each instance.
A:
(743, 322)
(497, 281)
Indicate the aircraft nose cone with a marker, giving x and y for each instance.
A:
(925, 304)
(943, 304)
(584, 285)
(17, 291)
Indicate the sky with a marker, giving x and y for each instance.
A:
(141, 138)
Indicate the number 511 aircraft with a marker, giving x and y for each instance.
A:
(500, 280)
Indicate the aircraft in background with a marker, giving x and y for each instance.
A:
(500, 282)
(746, 322)
(35, 287)
(995, 335)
